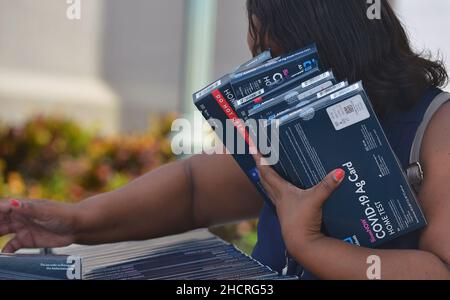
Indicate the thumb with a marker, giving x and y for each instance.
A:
(321, 192)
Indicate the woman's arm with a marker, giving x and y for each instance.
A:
(332, 259)
(202, 191)
(433, 260)
(435, 193)
(300, 215)
(198, 192)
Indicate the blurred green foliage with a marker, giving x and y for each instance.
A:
(243, 235)
(57, 159)
(53, 158)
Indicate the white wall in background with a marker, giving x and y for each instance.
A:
(428, 25)
(50, 65)
(121, 62)
(124, 59)
(231, 42)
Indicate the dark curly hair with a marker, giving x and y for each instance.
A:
(377, 52)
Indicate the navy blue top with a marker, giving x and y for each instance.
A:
(400, 129)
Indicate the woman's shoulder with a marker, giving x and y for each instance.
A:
(435, 191)
(436, 142)
(415, 112)
(405, 129)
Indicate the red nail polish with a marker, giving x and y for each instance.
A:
(14, 202)
(339, 175)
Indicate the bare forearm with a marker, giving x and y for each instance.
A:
(157, 204)
(333, 259)
(178, 197)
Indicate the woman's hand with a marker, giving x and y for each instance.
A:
(299, 211)
(300, 215)
(37, 224)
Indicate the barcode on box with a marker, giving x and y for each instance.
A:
(349, 109)
(348, 112)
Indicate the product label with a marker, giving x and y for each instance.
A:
(348, 112)
(351, 88)
(250, 97)
(208, 89)
(315, 79)
(331, 90)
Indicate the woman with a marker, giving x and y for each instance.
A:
(183, 195)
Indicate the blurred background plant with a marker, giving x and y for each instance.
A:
(54, 158)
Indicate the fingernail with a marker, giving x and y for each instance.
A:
(14, 202)
(339, 175)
